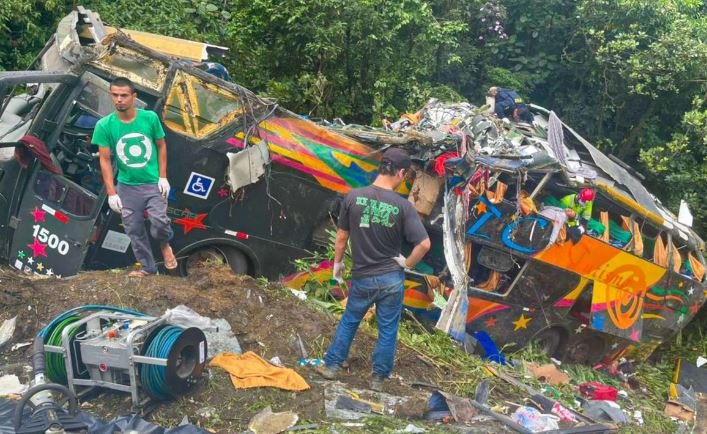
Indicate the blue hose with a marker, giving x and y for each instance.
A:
(152, 377)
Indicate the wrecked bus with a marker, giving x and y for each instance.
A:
(491, 199)
(259, 186)
(258, 207)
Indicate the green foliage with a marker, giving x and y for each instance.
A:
(624, 73)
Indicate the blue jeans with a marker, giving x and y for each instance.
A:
(386, 291)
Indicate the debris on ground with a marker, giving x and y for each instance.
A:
(249, 370)
(267, 422)
(7, 329)
(10, 385)
(549, 374)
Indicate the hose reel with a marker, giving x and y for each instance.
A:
(125, 351)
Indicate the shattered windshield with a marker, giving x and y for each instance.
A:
(197, 108)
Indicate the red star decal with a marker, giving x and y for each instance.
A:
(38, 249)
(695, 308)
(490, 322)
(191, 223)
(223, 192)
(38, 215)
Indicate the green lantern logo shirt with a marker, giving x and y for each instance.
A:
(133, 145)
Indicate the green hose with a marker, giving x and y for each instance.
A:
(56, 366)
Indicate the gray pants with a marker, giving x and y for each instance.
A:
(136, 200)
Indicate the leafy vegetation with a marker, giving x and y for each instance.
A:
(629, 74)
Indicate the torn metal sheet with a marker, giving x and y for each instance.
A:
(247, 166)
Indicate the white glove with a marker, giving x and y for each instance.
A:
(338, 272)
(163, 185)
(581, 229)
(115, 203)
(400, 260)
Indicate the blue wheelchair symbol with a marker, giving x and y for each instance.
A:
(199, 185)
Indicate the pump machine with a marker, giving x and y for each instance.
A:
(110, 347)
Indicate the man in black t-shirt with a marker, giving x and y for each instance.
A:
(377, 220)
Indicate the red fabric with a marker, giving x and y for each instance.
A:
(439, 161)
(598, 391)
(32, 146)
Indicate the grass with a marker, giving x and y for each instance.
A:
(466, 371)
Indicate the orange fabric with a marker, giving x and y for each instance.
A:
(250, 370)
(604, 216)
(476, 189)
(697, 268)
(497, 196)
(660, 253)
(676, 260)
(637, 240)
(492, 283)
(527, 206)
(468, 253)
(626, 225)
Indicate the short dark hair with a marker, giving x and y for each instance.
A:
(525, 115)
(386, 167)
(123, 82)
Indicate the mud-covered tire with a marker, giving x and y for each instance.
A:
(236, 259)
(200, 258)
(588, 350)
(548, 340)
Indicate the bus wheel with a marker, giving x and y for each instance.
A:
(588, 350)
(548, 341)
(236, 260)
(201, 258)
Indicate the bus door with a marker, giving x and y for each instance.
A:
(61, 202)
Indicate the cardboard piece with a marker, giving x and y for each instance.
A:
(549, 374)
(424, 192)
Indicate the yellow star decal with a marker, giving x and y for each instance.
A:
(521, 323)
(40, 266)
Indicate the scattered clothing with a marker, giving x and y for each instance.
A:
(250, 370)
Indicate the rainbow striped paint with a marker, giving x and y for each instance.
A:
(337, 162)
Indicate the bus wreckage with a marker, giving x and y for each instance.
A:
(260, 186)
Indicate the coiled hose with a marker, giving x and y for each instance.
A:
(153, 376)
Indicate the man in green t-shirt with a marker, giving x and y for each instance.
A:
(136, 138)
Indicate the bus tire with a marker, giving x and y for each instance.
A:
(236, 259)
(549, 340)
(587, 350)
(200, 258)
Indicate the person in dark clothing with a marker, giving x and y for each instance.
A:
(377, 220)
(508, 104)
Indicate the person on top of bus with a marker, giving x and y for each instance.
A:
(578, 207)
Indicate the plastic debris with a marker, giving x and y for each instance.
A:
(605, 411)
(700, 361)
(310, 362)
(267, 422)
(277, 362)
(10, 385)
(7, 330)
(299, 294)
(19, 345)
(598, 391)
(533, 420)
(413, 429)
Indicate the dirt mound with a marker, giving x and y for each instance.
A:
(267, 319)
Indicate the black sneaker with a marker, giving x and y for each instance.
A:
(377, 383)
(328, 372)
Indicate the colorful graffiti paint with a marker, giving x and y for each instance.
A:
(621, 281)
(337, 162)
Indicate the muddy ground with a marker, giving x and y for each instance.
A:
(265, 317)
